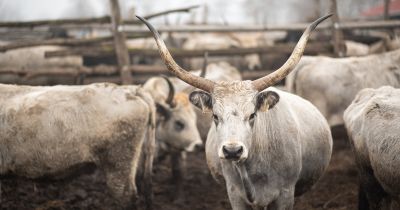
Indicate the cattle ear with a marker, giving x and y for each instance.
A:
(266, 100)
(201, 100)
(163, 111)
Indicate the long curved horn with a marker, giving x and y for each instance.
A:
(205, 63)
(198, 82)
(279, 74)
(171, 93)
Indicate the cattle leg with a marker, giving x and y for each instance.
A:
(237, 203)
(149, 151)
(144, 173)
(362, 199)
(374, 193)
(178, 167)
(120, 164)
(285, 201)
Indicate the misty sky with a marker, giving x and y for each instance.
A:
(219, 11)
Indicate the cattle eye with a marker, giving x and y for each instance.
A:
(179, 125)
(252, 116)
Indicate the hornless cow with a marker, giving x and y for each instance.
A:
(49, 131)
(33, 59)
(332, 83)
(223, 41)
(176, 130)
(360, 49)
(372, 121)
(265, 143)
(356, 48)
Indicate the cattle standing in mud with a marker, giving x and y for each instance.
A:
(332, 83)
(176, 130)
(266, 144)
(372, 122)
(49, 131)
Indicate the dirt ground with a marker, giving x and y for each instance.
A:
(336, 190)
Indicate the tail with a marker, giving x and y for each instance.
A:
(148, 150)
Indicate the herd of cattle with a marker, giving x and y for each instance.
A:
(265, 144)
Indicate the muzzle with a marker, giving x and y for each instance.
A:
(234, 151)
(195, 146)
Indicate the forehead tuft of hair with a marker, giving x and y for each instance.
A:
(235, 88)
(182, 99)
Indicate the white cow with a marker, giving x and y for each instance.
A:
(52, 131)
(332, 83)
(359, 49)
(265, 143)
(372, 121)
(33, 59)
(223, 41)
(176, 130)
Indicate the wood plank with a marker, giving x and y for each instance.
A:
(109, 73)
(66, 42)
(226, 28)
(142, 78)
(58, 22)
(382, 24)
(311, 48)
(157, 14)
(260, 28)
(89, 21)
(97, 70)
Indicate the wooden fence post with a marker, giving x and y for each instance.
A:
(386, 9)
(338, 43)
(121, 50)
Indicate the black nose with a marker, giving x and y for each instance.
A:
(232, 152)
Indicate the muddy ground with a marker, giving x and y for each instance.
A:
(336, 190)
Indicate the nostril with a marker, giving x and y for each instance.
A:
(240, 151)
(225, 151)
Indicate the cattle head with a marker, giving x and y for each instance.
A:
(177, 122)
(235, 105)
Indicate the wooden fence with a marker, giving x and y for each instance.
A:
(115, 44)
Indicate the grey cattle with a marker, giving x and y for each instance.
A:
(224, 41)
(372, 121)
(332, 83)
(49, 131)
(266, 144)
(176, 130)
(33, 59)
(360, 49)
